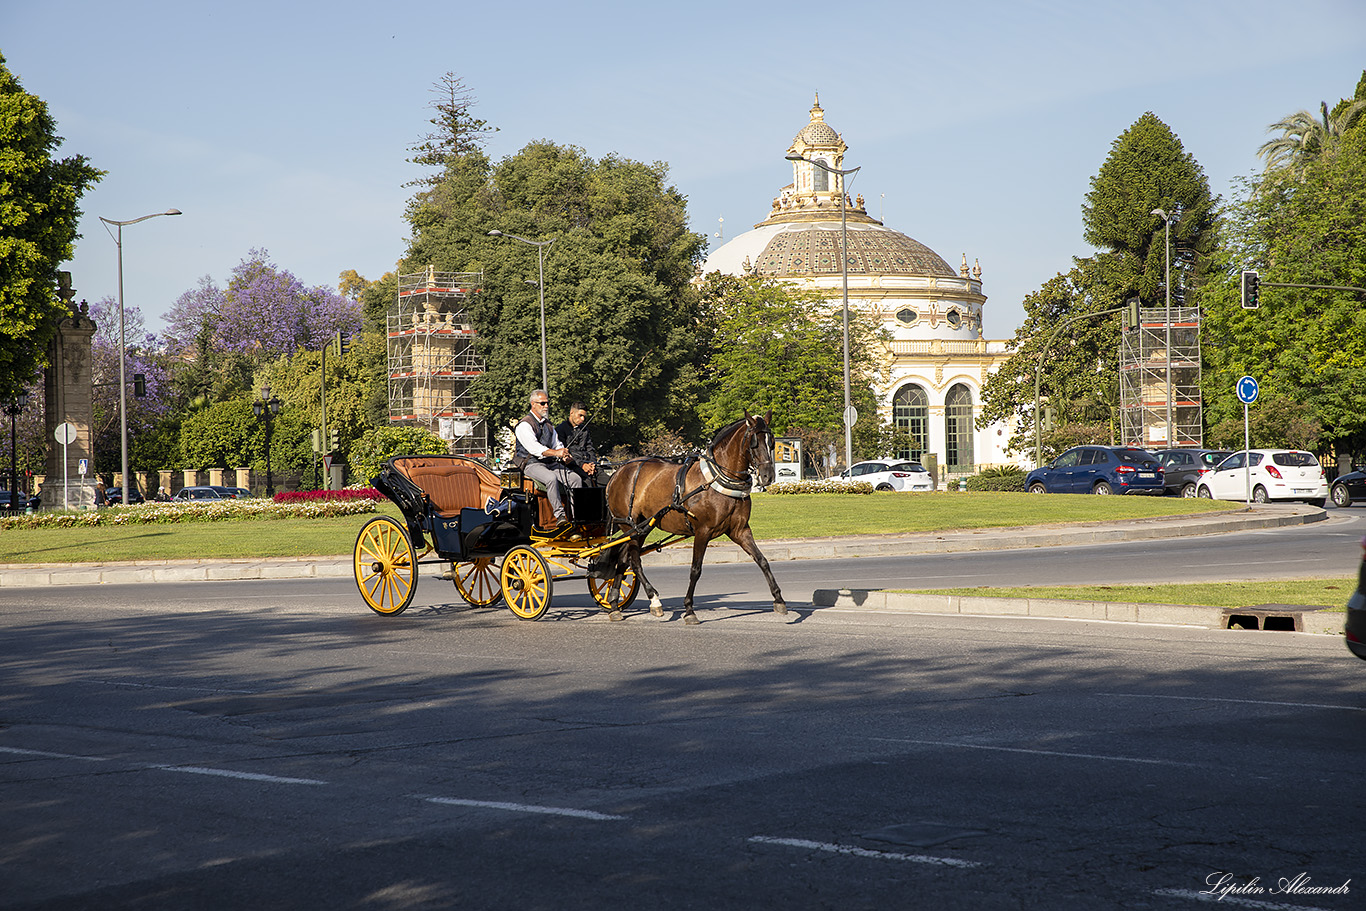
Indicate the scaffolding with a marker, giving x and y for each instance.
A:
(1143, 357)
(432, 360)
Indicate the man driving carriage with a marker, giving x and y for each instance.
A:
(542, 457)
(583, 455)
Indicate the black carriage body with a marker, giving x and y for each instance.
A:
(459, 502)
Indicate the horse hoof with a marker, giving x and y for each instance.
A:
(615, 615)
(691, 619)
(779, 608)
(656, 607)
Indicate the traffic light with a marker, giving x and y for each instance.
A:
(1252, 289)
(317, 441)
(1131, 320)
(334, 441)
(343, 343)
(1046, 424)
(139, 386)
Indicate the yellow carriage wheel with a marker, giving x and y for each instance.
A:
(602, 590)
(526, 582)
(386, 572)
(477, 581)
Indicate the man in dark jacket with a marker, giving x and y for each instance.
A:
(574, 435)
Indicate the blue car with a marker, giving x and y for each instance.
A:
(1099, 469)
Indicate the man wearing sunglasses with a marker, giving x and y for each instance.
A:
(542, 457)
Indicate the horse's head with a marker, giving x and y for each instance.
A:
(759, 442)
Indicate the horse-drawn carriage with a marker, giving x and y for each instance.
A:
(496, 532)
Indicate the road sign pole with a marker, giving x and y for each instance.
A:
(1247, 459)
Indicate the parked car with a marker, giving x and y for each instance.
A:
(231, 493)
(114, 496)
(1355, 627)
(1182, 468)
(888, 474)
(196, 493)
(1099, 469)
(24, 501)
(1275, 474)
(1348, 488)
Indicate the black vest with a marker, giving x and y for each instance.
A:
(545, 435)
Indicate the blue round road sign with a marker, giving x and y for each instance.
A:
(1247, 390)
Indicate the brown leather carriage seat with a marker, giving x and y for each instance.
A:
(452, 483)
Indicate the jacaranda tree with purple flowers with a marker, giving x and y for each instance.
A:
(141, 357)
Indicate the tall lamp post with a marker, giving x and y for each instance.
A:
(14, 409)
(267, 407)
(844, 275)
(123, 391)
(1167, 318)
(540, 246)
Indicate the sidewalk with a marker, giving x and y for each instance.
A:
(1268, 515)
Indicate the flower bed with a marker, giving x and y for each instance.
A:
(314, 496)
(829, 485)
(193, 511)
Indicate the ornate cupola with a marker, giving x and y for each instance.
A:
(814, 192)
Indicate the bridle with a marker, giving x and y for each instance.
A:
(724, 482)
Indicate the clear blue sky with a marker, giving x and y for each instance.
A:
(977, 125)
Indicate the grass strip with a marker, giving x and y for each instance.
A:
(1300, 592)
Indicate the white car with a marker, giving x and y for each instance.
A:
(1276, 474)
(890, 474)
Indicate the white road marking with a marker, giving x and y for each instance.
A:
(861, 852)
(521, 808)
(18, 752)
(1064, 754)
(1293, 705)
(1235, 900)
(229, 773)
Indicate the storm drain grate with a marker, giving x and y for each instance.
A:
(1287, 618)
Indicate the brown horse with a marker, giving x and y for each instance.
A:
(705, 498)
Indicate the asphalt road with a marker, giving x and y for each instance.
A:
(275, 745)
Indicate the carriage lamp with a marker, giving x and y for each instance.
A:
(267, 407)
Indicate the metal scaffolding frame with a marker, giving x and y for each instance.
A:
(432, 359)
(1143, 380)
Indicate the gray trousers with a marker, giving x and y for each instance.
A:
(555, 478)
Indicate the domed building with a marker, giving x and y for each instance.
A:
(937, 357)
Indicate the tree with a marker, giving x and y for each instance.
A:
(774, 346)
(621, 318)
(38, 219)
(457, 132)
(144, 412)
(379, 444)
(1303, 345)
(1305, 137)
(1148, 169)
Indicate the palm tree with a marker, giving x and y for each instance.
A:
(1306, 137)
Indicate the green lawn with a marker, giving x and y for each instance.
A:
(1308, 592)
(775, 516)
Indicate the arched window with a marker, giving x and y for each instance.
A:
(958, 428)
(911, 413)
(820, 178)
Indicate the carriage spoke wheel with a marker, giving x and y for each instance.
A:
(477, 582)
(526, 582)
(386, 572)
(602, 590)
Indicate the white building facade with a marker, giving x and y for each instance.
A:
(937, 358)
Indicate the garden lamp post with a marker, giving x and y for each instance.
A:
(844, 275)
(14, 409)
(1167, 317)
(267, 407)
(123, 392)
(540, 246)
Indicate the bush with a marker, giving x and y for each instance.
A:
(829, 485)
(370, 452)
(312, 496)
(1008, 479)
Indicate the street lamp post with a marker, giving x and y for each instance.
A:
(123, 392)
(14, 409)
(844, 275)
(540, 246)
(267, 407)
(1167, 249)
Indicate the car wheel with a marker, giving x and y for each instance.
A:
(1340, 495)
(884, 487)
(1204, 494)
(1037, 487)
(1259, 494)
(1188, 491)
(1103, 488)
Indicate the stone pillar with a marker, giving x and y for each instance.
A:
(243, 478)
(191, 477)
(216, 477)
(67, 393)
(164, 480)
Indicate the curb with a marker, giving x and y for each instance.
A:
(1286, 618)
